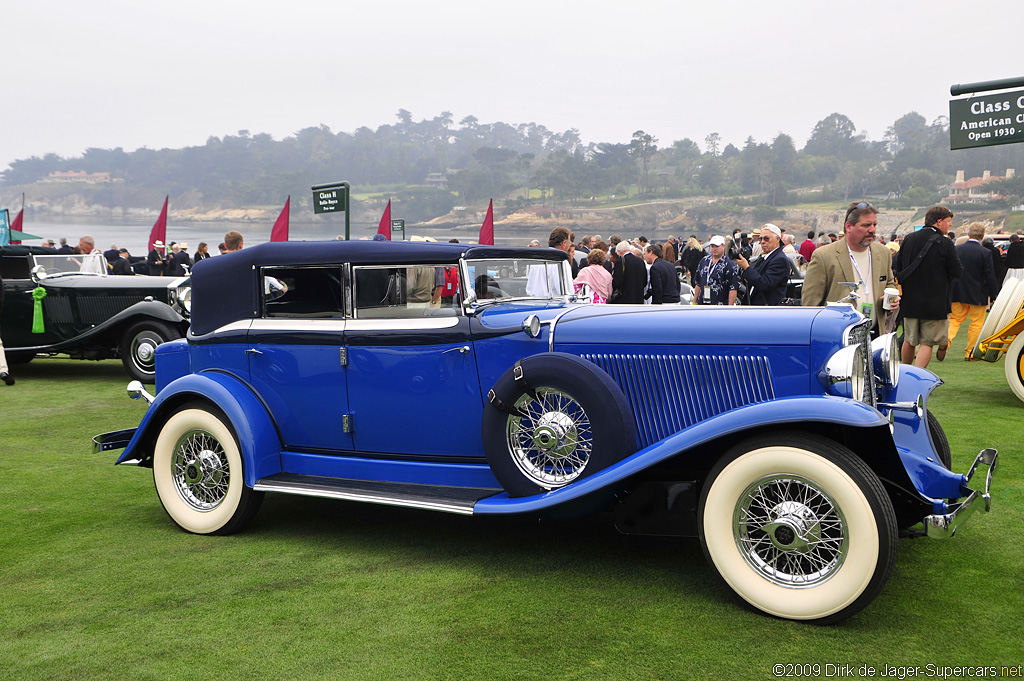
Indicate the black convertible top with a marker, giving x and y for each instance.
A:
(225, 290)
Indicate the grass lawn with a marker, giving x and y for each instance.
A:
(97, 582)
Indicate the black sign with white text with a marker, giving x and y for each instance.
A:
(987, 120)
(329, 199)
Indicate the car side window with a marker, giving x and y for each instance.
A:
(303, 292)
(401, 292)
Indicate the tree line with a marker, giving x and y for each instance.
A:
(434, 164)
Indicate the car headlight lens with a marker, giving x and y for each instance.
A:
(186, 299)
(844, 372)
(885, 356)
(848, 372)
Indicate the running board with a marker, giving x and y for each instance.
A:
(411, 495)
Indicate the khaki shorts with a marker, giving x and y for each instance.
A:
(926, 331)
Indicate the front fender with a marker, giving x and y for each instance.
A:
(257, 435)
(145, 309)
(913, 441)
(791, 410)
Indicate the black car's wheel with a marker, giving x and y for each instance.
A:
(562, 419)
(138, 348)
(197, 471)
(939, 441)
(798, 526)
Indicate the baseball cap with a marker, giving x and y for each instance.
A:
(717, 241)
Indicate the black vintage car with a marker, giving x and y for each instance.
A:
(73, 304)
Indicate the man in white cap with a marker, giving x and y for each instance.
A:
(718, 278)
(768, 275)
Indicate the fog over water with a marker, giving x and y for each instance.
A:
(133, 234)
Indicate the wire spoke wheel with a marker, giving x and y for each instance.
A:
(199, 474)
(790, 531)
(201, 470)
(798, 526)
(552, 443)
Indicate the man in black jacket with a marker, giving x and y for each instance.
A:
(768, 275)
(664, 282)
(629, 278)
(123, 264)
(974, 289)
(926, 266)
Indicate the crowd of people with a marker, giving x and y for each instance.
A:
(940, 282)
(930, 281)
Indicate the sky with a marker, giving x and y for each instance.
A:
(130, 74)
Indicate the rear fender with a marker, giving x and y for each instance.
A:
(257, 435)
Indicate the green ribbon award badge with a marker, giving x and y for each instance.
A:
(37, 313)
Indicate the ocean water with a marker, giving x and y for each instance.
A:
(133, 233)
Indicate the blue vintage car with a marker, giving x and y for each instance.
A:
(793, 446)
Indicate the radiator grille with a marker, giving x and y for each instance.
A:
(96, 310)
(58, 309)
(672, 392)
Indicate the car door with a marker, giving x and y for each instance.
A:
(297, 356)
(412, 378)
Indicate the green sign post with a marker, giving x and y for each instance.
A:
(398, 225)
(333, 197)
(988, 120)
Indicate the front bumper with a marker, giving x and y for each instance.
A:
(944, 525)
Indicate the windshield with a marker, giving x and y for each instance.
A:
(66, 264)
(516, 278)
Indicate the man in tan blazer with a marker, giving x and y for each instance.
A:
(857, 257)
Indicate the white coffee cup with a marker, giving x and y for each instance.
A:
(889, 298)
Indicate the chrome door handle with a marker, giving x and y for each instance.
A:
(253, 351)
(464, 349)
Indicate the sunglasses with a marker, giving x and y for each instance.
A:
(860, 206)
(766, 238)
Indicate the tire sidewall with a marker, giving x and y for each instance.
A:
(189, 519)
(611, 418)
(832, 597)
(1012, 367)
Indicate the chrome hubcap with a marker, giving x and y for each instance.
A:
(790, 531)
(145, 351)
(200, 470)
(552, 443)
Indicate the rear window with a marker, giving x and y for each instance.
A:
(303, 292)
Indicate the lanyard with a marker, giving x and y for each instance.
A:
(856, 267)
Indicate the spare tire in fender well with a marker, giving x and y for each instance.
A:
(554, 418)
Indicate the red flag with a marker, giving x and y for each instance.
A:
(487, 229)
(159, 231)
(16, 224)
(385, 222)
(280, 230)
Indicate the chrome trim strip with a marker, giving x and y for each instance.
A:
(297, 324)
(551, 331)
(367, 498)
(403, 324)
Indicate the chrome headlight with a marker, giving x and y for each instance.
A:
(885, 356)
(848, 372)
(186, 300)
(844, 372)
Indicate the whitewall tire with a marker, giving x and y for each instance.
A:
(798, 527)
(198, 473)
